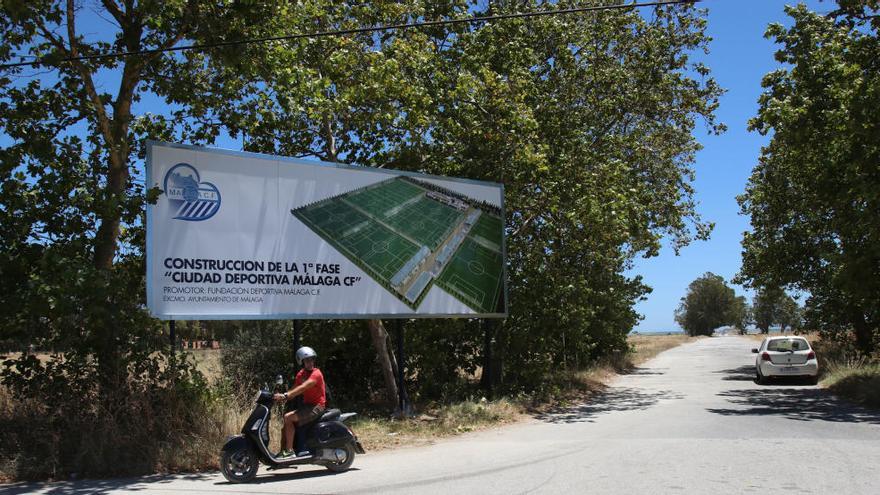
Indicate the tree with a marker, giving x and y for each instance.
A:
(709, 304)
(772, 306)
(814, 196)
(790, 314)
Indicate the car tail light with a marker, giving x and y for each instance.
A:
(811, 355)
(765, 357)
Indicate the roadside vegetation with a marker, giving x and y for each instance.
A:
(859, 382)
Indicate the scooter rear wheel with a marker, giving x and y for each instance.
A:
(344, 464)
(239, 466)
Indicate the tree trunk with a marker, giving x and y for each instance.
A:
(863, 332)
(385, 358)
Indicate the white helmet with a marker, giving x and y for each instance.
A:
(304, 353)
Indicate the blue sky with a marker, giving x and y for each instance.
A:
(739, 58)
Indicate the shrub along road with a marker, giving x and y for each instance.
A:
(691, 420)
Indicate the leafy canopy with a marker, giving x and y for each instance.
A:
(709, 304)
(814, 196)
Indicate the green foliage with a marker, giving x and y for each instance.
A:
(710, 303)
(259, 351)
(586, 120)
(814, 197)
(772, 306)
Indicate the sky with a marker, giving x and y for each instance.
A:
(739, 58)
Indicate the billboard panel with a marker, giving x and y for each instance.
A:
(249, 236)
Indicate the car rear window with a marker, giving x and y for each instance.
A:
(788, 345)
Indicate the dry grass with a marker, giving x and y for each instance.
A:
(208, 361)
(647, 347)
(858, 381)
(440, 422)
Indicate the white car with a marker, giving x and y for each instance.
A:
(786, 356)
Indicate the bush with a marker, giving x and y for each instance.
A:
(56, 420)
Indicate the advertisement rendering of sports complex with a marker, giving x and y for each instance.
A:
(409, 234)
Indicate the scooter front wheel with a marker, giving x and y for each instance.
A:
(239, 465)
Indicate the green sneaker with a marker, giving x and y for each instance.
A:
(285, 453)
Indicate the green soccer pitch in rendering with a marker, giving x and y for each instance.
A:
(408, 235)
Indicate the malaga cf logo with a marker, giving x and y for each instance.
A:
(191, 199)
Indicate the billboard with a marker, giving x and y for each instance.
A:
(239, 235)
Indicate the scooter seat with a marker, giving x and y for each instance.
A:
(330, 415)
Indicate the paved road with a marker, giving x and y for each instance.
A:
(689, 421)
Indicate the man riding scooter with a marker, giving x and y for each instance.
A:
(309, 383)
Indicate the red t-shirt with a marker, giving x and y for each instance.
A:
(315, 396)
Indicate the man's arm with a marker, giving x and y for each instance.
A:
(302, 387)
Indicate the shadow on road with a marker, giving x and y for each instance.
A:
(640, 371)
(155, 482)
(802, 404)
(743, 373)
(610, 400)
(266, 476)
(84, 487)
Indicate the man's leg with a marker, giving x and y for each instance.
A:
(289, 430)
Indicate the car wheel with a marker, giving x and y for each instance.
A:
(760, 379)
(813, 380)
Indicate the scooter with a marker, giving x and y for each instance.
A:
(326, 441)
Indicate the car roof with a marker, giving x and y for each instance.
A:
(780, 337)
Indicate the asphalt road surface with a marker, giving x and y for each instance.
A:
(690, 421)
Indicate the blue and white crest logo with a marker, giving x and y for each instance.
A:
(190, 198)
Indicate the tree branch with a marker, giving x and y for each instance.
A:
(114, 10)
(103, 120)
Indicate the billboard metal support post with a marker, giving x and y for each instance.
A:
(297, 335)
(488, 378)
(172, 338)
(403, 400)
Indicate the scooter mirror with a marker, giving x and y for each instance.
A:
(279, 380)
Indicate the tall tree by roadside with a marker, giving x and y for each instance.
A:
(814, 197)
(71, 201)
(709, 304)
(772, 306)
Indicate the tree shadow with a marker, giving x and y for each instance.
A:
(155, 482)
(801, 404)
(640, 371)
(280, 475)
(743, 373)
(98, 486)
(610, 400)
